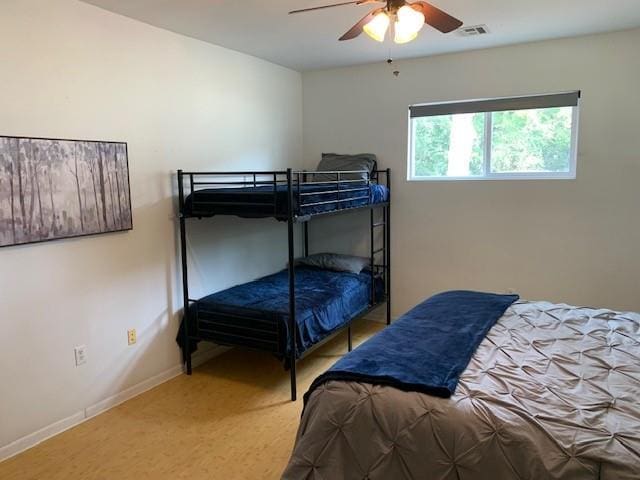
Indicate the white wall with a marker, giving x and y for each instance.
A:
(566, 241)
(70, 70)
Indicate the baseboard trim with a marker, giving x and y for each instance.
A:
(121, 397)
(110, 402)
(201, 357)
(31, 440)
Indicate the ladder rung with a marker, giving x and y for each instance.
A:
(381, 224)
(379, 250)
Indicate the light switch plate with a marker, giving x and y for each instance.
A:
(81, 355)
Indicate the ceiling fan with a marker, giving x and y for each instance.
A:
(408, 19)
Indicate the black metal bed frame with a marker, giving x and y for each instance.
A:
(268, 337)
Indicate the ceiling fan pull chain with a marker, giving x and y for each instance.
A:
(396, 73)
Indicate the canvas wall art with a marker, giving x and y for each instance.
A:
(52, 189)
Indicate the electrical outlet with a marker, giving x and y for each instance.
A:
(131, 336)
(81, 355)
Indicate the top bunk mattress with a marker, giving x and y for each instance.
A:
(263, 201)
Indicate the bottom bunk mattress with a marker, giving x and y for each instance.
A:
(255, 314)
(550, 393)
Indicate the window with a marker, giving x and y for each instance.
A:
(506, 138)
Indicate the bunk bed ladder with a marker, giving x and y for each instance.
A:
(387, 245)
(385, 250)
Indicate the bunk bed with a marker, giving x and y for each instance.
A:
(293, 311)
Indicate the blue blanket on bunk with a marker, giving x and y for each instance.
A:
(259, 201)
(428, 348)
(325, 302)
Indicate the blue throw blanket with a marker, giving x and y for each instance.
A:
(325, 302)
(428, 348)
(258, 201)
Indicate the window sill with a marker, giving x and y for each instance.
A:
(506, 176)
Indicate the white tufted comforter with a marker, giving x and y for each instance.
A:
(553, 392)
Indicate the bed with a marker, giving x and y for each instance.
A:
(255, 314)
(550, 393)
(271, 200)
(341, 184)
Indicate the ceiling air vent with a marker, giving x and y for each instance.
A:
(473, 31)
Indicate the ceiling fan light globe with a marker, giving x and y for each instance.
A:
(377, 28)
(409, 22)
(400, 38)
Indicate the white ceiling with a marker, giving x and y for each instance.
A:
(310, 41)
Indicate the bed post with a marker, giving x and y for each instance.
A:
(387, 229)
(186, 347)
(292, 286)
(306, 238)
(372, 255)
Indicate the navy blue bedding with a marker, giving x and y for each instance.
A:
(325, 302)
(261, 200)
(428, 348)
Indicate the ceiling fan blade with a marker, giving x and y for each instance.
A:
(437, 18)
(322, 7)
(357, 28)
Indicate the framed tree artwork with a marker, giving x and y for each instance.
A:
(52, 189)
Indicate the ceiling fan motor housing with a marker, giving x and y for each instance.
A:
(394, 5)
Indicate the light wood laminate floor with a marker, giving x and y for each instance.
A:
(231, 420)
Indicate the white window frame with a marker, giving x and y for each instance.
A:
(488, 138)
